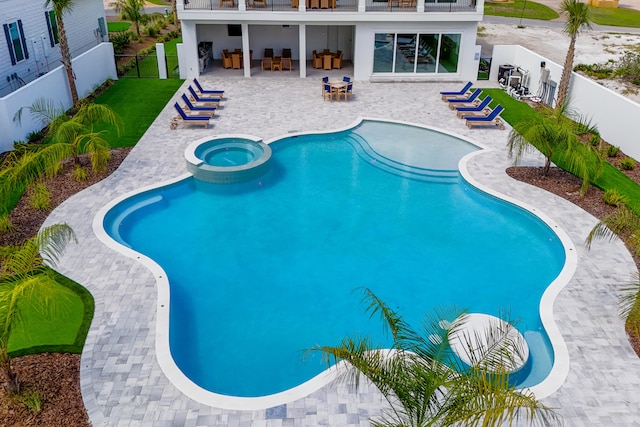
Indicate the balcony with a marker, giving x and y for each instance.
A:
(312, 6)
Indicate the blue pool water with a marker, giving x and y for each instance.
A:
(261, 271)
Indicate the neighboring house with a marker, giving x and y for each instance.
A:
(29, 46)
(383, 39)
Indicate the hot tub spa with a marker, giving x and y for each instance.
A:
(228, 159)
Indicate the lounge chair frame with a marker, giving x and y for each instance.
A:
(187, 118)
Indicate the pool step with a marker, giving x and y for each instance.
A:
(406, 171)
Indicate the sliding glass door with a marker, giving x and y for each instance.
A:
(412, 53)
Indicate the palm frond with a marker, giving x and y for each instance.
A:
(622, 222)
(629, 297)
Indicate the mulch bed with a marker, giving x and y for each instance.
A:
(56, 376)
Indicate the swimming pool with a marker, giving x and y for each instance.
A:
(276, 260)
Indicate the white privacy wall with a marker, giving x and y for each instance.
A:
(91, 68)
(614, 114)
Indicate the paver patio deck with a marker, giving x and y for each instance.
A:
(122, 383)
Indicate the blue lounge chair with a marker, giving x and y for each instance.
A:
(492, 119)
(219, 93)
(186, 118)
(198, 98)
(464, 90)
(478, 110)
(459, 102)
(197, 107)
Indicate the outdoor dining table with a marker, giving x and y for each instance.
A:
(335, 86)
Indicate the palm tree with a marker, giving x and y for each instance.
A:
(131, 10)
(623, 223)
(61, 7)
(555, 134)
(425, 385)
(67, 136)
(578, 19)
(22, 279)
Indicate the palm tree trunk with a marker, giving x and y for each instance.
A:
(174, 9)
(563, 87)
(12, 384)
(66, 57)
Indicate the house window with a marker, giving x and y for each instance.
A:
(416, 53)
(52, 27)
(16, 41)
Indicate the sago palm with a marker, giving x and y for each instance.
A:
(577, 19)
(22, 281)
(61, 8)
(554, 134)
(425, 385)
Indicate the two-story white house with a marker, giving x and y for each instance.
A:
(30, 46)
(421, 40)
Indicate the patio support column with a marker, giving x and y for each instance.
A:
(302, 48)
(420, 6)
(362, 6)
(190, 39)
(246, 52)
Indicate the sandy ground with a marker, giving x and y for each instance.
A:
(591, 46)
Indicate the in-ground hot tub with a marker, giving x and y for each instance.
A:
(228, 159)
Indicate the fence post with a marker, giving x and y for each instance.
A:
(162, 61)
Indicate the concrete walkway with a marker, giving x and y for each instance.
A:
(122, 383)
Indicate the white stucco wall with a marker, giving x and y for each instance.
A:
(614, 114)
(80, 26)
(91, 68)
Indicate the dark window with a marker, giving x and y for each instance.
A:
(16, 41)
(52, 26)
(234, 30)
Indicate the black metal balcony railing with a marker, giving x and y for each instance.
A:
(333, 5)
(391, 6)
(450, 6)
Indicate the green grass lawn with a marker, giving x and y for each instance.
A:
(64, 331)
(615, 16)
(516, 112)
(138, 102)
(532, 10)
(116, 27)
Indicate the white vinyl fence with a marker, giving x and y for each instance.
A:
(614, 114)
(91, 69)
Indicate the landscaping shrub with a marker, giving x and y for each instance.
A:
(629, 67)
(120, 41)
(5, 224)
(596, 71)
(613, 198)
(151, 31)
(612, 151)
(40, 197)
(627, 164)
(594, 140)
(35, 136)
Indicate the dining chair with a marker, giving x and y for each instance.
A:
(268, 52)
(325, 80)
(286, 53)
(235, 60)
(327, 62)
(287, 63)
(327, 91)
(266, 62)
(337, 61)
(317, 60)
